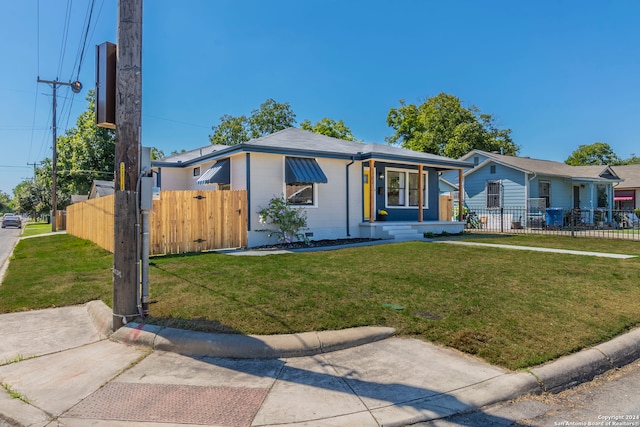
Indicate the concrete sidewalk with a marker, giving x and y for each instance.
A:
(63, 364)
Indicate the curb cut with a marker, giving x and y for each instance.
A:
(232, 345)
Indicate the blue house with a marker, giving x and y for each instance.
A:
(531, 192)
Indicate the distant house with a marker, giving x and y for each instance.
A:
(497, 181)
(101, 188)
(342, 185)
(627, 193)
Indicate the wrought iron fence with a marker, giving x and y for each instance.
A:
(583, 222)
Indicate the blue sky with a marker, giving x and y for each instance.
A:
(558, 73)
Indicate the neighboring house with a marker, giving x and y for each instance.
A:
(101, 188)
(78, 198)
(627, 192)
(340, 184)
(498, 181)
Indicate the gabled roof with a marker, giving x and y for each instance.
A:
(101, 188)
(298, 142)
(548, 167)
(630, 174)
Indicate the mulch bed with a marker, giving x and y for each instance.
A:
(313, 244)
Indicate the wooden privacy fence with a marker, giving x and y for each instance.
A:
(180, 222)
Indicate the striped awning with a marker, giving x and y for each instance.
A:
(219, 173)
(624, 195)
(303, 170)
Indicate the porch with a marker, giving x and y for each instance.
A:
(408, 230)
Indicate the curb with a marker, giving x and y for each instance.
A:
(585, 365)
(553, 377)
(232, 345)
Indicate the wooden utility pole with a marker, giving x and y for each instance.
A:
(127, 161)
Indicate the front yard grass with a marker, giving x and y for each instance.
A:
(512, 308)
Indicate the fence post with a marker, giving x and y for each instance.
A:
(501, 219)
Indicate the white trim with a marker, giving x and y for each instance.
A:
(425, 196)
(313, 184)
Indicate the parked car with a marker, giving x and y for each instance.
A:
(11, 221)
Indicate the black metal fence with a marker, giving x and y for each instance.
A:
(585, 222)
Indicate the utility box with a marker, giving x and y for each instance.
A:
(106, 85)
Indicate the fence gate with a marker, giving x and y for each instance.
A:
(195, 221)
(180, 221)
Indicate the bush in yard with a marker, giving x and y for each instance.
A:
(290, 221)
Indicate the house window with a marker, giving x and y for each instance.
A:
(300, 194)
(402, 188)
(494, 194)
(492, 169)
(196, 171)
(544, 192)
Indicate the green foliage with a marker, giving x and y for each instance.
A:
(156, 153)
(5, 203)
(442, 126)
(85, 153)
(271, 117)
(598, 153)
(230, 131)
(329, 127)
(33, 197)
(289, 221)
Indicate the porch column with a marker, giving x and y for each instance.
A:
(420, 194)
(460, 195)
(372, 190)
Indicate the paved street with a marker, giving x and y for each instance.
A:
(8, 238)
(609, 400)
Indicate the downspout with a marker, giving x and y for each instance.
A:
(353, 159)
(248, 178)
(527, 191)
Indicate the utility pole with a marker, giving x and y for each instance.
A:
(34, 169)
(76, 87)
(127, 162)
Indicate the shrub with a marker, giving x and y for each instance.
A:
(290, 221)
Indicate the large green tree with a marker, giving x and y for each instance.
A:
(598, 153)
(329, 127)
(442, 125)
(85, 153)
(271, 117)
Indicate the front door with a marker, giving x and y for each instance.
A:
(576, 197)
(366, 193)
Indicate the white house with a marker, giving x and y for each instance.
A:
(342, 185)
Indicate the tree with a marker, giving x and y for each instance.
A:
(5, 203)
(598, 153)
(230, 131)
(85, 153)
(329, 127)
(32, 198)
(156, 153)
(271, 117)
(442, 125)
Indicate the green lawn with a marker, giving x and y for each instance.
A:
(512, 308)
(35, 228)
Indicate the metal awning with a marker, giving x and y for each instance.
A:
(303, 170)
(219, 173)
(623, 195)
